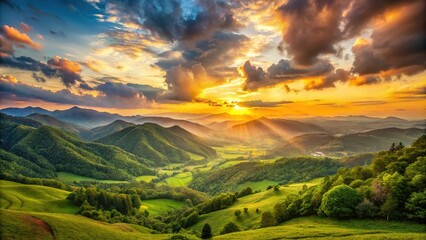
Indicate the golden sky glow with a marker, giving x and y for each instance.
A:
(260, 58)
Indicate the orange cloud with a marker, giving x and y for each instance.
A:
(16, 36)
(39, 36)
(64, 65)
(8, 78)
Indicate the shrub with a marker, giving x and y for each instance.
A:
(229, 228)
(340, 202)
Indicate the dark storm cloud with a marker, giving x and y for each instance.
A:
(398, 46)
(312, 28)
(173, 20)
(282, 72)
(315, 27)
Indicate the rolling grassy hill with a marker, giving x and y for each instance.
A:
(59, 151)
(371, 141)
(263, 201)
(284, 170)
(34, 198)
(322, 228)
(161, 145)
(157, 206)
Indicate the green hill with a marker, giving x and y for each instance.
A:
(283, 170)
(161, 145)
(320, 228)
(54, 150)
(371, 141)
(103, 131)
(34, 198)
(53, 122)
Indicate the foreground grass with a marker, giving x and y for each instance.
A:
(34, 198)
(157, 206)
(322, 228)
(263, 201)
(25, 225)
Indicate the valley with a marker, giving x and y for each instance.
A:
(171, 182)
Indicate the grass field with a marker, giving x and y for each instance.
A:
(34, 198)
(146, 178)
(263, 201)
(30, 225)
(70, 177)
(157, 206)
(322, 228)
(256, 186)
(179, 180)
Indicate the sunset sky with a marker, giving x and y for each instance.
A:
(291, 58)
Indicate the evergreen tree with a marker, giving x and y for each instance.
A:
(206, 232)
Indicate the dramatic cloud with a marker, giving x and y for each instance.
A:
(24, 27)
(19, 39)
(115, 96)
(328, 81)
(56, 67)
(282, 72)
(311, 28)
(185, 84)
(397, 46)
(173, 19)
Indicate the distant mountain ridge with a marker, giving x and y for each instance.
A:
(370, 141)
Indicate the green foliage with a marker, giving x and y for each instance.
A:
(340, 202)
(237, 213)
(206, 233)
(268, 219)
(218, 202)
(229, 228)
(392, 187)
(283, 170)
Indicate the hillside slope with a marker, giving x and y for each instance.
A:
(103, 131)
(371, 141)
(161, 145)
(54, 150)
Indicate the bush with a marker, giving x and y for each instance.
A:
(206, 233)
(340, 202)
(237, 213)
(229, 228)
(268, 219)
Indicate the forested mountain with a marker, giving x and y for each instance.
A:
(53, 122)
(355, 124)
(192, 127)
(264, 128)
(102, 131)
(371, 141)
(161, 145)
(22, 112)
(51, 150)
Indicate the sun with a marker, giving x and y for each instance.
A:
(238, 110)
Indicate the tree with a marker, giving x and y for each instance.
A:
(267, 219)
(206, 232)
(229, 228)
(237, 213)
(276, 188)
(340, 202)
(245, 210)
